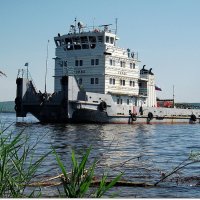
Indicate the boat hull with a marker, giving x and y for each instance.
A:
(95, 116)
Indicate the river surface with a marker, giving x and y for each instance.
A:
(142, 152)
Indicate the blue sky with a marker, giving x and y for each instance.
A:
(166, 34)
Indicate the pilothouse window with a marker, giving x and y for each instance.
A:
(92, 40)
(68, 42)
(77, 43)
(84, 42)
(107, 39)
(111, 40)
(84, 39)
(100, 39)
(58, 43)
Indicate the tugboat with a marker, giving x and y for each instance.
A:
(96, 81)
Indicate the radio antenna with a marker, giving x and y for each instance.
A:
(116, 26)
(45, 87)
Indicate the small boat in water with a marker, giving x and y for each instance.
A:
(96, 81)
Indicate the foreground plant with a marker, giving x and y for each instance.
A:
(17, 165)
(193, 158)
(77, 183)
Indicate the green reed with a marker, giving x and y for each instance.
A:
(77, 183)
(17, 165)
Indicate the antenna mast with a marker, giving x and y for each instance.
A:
(173, 97)
(93, 22)
(116, 26)
(75, 25)
(45, 87)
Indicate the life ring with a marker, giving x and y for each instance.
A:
(150, 115)
(102, 106)
(193, 117)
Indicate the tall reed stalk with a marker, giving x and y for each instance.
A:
(77, 183)
(17, 165)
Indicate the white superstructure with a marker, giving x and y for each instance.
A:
(100, 66)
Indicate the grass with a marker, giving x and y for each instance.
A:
(17, 166)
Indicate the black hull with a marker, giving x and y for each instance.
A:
(48, 113)
(90, 116)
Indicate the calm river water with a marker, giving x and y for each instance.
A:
(142, 152)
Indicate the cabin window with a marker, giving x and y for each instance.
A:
(94, 62)
(133, 65)
(111, 40)
(112, 62)
(132, 83)
(100, 39)
(94, 81)
(81, 62)
(122, 64)
(118, 101)
(121, 101)
(122, 82)
(112, 81)
(97, 61)
(127, 101)
(78, 63)
(107, 39)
